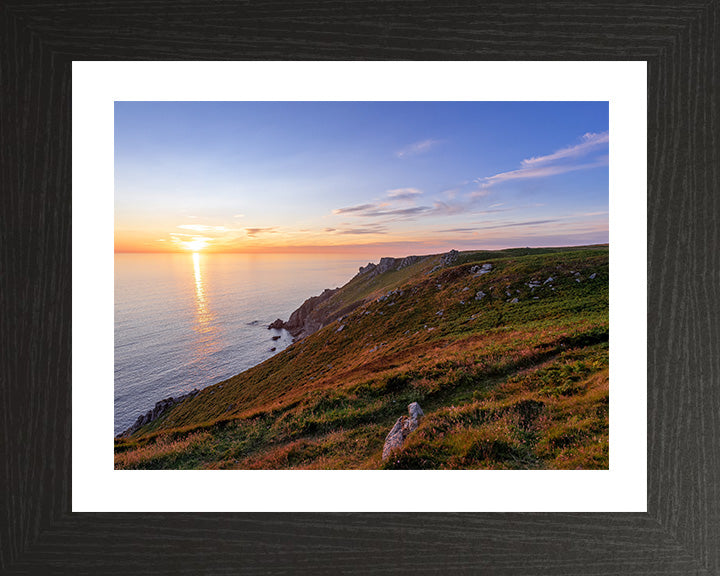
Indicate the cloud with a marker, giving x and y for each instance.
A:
(514, 224)
(203, 228)
(253, 232)
(459, 230)
(404, 193)
(363, 231)
(589, 141)
(559, 162)
(540, 172)
(238, 215)
(417, 148)
(351, 209)
(415, 210)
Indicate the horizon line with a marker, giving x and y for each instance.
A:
(355, 248)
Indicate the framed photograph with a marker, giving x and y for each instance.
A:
(579, 439)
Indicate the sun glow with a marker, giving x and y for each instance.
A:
(194, 245)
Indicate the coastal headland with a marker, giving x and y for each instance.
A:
(500, 358)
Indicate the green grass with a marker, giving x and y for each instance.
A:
(502, 384)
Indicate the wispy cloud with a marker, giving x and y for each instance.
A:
(514, 224)
(351, 209)
(589, 141)
(533, 172)
(203, 228)
(559, 162)
(404, 193)
(253, 232)
(363, 231)
(417, 148)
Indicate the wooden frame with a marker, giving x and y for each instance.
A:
(680, 533)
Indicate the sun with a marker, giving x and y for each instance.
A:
(195, 245)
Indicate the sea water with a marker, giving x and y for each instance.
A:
(185, 321)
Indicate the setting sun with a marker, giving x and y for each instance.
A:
(194, 245)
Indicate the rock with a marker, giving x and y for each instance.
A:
(415, 411)
(160, 408)
(592, 276)
(480, 295)
(273, 349)
(408, 261)
(514, 301)
(304, 321)
(402, 429)
(549, 279)
(480, 270)
(369, 268)
(276, 337)
(449, 258)
(340, 328)
(385, 265)
(277, 325)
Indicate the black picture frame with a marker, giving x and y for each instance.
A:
(680, 533)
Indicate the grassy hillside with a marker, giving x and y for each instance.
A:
(510, 368)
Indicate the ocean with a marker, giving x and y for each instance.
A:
(185, 321)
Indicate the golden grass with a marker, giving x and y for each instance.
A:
(163, 446)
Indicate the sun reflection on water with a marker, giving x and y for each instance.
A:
(205, 327)
(204, 316)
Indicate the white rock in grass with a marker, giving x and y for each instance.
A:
(402, 429)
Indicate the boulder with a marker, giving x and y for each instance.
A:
(402, 429)
(480, 270)
(277, 325)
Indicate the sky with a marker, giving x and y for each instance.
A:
(377, 178)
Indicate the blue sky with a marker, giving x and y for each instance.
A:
(380, 177)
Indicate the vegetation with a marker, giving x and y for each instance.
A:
(510, 368)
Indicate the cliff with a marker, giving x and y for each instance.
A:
(319, 311)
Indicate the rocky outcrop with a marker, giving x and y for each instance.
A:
(388, 264)
(409, 261)
(277, 325)
(159, 409)
(402, 429)
(366, 269)
(449, 258)
(306, 319)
